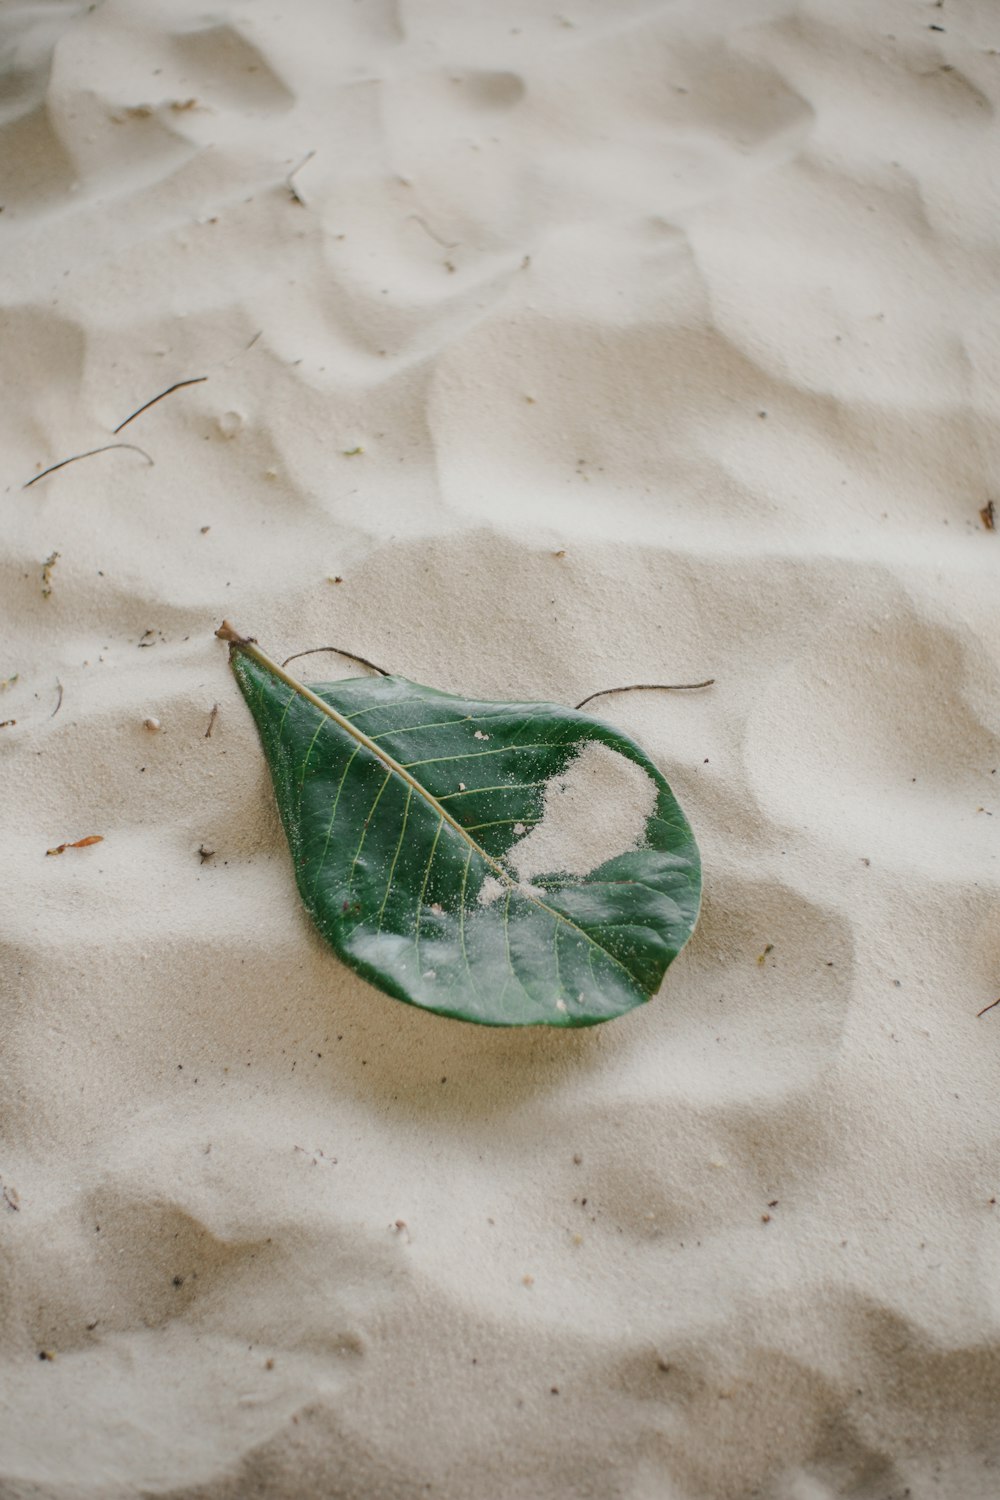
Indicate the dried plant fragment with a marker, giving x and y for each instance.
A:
(47, 567)
(92, 838)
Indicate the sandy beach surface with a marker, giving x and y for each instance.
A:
(538, 350)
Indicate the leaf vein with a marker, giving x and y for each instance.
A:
(395, 857)
(471, 755)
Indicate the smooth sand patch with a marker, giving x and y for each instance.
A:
(542, 352)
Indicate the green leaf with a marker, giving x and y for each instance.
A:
(513, 864)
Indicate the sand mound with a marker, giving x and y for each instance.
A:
(535, 352)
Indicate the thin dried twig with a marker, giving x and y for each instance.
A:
(178, 385)
(243, 349)
(649, 687)
(59, 699)
(445, 244)
(361, 660)
(211, 721)
(290, 185)
(89, 454)
(991, 1006)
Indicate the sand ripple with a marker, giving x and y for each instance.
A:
(643, 341)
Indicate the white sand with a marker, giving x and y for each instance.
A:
(629, 341)
(596, 809)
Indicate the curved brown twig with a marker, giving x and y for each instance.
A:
(228, 632)
(648, 687)
(362, 661)
(178, 385)
(89, 454)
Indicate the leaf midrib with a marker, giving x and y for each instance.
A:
(251, 649)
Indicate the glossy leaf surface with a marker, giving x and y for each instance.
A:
(420, 825)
